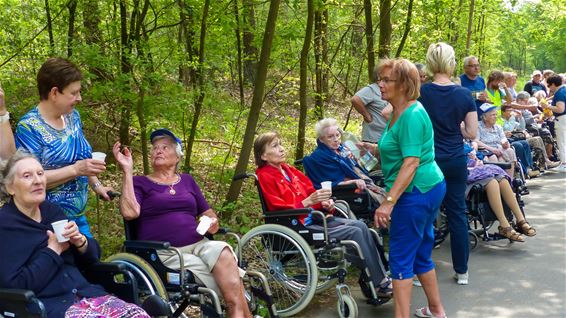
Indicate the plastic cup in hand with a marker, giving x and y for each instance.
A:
(101, 156)
(326, 185)
(204, 224)
(58, 228)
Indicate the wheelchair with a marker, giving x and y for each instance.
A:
(480, 216)
(300, 262)
(179, 288)
(116, 279)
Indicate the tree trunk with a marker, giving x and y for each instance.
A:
(299, 153)
(321, 58)
(72, 5)
(201, 87)
(125, 67)
(91, 21)
(407, 29)
(250, 51)
(369, 39)
(453, 26)
(238, 31)
(257, 100)
(385, 28)
(49, 28)
(470, 22)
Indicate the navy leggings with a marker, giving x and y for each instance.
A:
(456, 174)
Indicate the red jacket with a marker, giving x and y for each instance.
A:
(280, 194)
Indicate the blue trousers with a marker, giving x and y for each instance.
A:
(524, 153)
(411, 235)
(456, 174)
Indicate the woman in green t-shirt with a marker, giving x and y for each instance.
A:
(415, 187)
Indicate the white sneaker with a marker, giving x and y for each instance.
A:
(561, 168)
(461, 279)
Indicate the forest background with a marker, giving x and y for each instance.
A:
(219, 72)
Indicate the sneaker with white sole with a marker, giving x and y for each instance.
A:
(461, 279)
(561, 168)
(552, 164)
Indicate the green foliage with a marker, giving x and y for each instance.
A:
(521, 38)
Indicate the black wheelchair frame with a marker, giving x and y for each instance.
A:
(283, 237)
(116, 279)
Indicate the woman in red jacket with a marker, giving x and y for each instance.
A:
(285, 187)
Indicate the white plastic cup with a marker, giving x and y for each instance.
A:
(101, 156)
(58, 228)
(204, 224)
(326, 185)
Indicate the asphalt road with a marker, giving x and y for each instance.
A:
(506, 280)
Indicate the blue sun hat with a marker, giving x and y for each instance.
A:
(165, 132)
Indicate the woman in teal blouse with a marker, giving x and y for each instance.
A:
(415, 187)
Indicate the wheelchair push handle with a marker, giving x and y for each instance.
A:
(112, 194)
(241, 176)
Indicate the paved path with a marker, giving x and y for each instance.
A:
(506, 280)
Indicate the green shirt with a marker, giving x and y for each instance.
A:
(410, 136)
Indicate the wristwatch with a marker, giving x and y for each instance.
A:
(390, 199)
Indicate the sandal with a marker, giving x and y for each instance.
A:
(524, 227)
(385, 290)
(424, 312)
(510, 233)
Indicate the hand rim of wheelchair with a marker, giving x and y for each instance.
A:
(303, 292)
(146, 275)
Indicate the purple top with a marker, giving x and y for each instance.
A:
(166, 217)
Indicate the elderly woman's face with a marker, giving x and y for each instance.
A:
(331, 137)
(490, 117)
(274, 153)
(29, 183)
(163, 154)
(387, 85)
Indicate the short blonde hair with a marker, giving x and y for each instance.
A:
(440, 58)
(260, 144)
(406, 74)
(323, 124)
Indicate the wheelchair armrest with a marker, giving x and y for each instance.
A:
(502, 165)
(157, 245)
(283, 213)
(16, 295)
(104, 274)
(103, 267)
(344, 187)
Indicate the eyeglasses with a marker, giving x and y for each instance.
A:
(473, 65)
(386, 80)
(336, 136)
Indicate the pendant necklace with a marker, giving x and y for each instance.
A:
(171, 189)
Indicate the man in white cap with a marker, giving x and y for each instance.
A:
(535, 84)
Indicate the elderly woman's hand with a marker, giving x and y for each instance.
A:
(72, 233)
(505, 144)
(383, 214)
(123, 158)
(328, 205)
(317, 197)
(53, 244)
(214, 226)
(360, 184)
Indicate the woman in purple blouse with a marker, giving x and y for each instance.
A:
(167, 206)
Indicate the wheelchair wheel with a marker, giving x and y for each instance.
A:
(147, 278)
(473, 238)
(287, 261)
(347, 308)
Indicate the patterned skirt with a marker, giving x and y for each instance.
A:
(104, 307)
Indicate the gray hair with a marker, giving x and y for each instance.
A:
(323, 124)
(178, 148)
(440, 58)
(523, 95)
(7, 171)
(468, 58)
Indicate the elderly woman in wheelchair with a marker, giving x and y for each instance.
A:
(333, 161)
(497, 186)
(34, 258)
(166, 206)
(285, 187)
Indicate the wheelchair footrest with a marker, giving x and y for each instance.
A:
(379, 301)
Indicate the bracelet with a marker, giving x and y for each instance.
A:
(96, 185)
(83, 243)
(5, 118)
